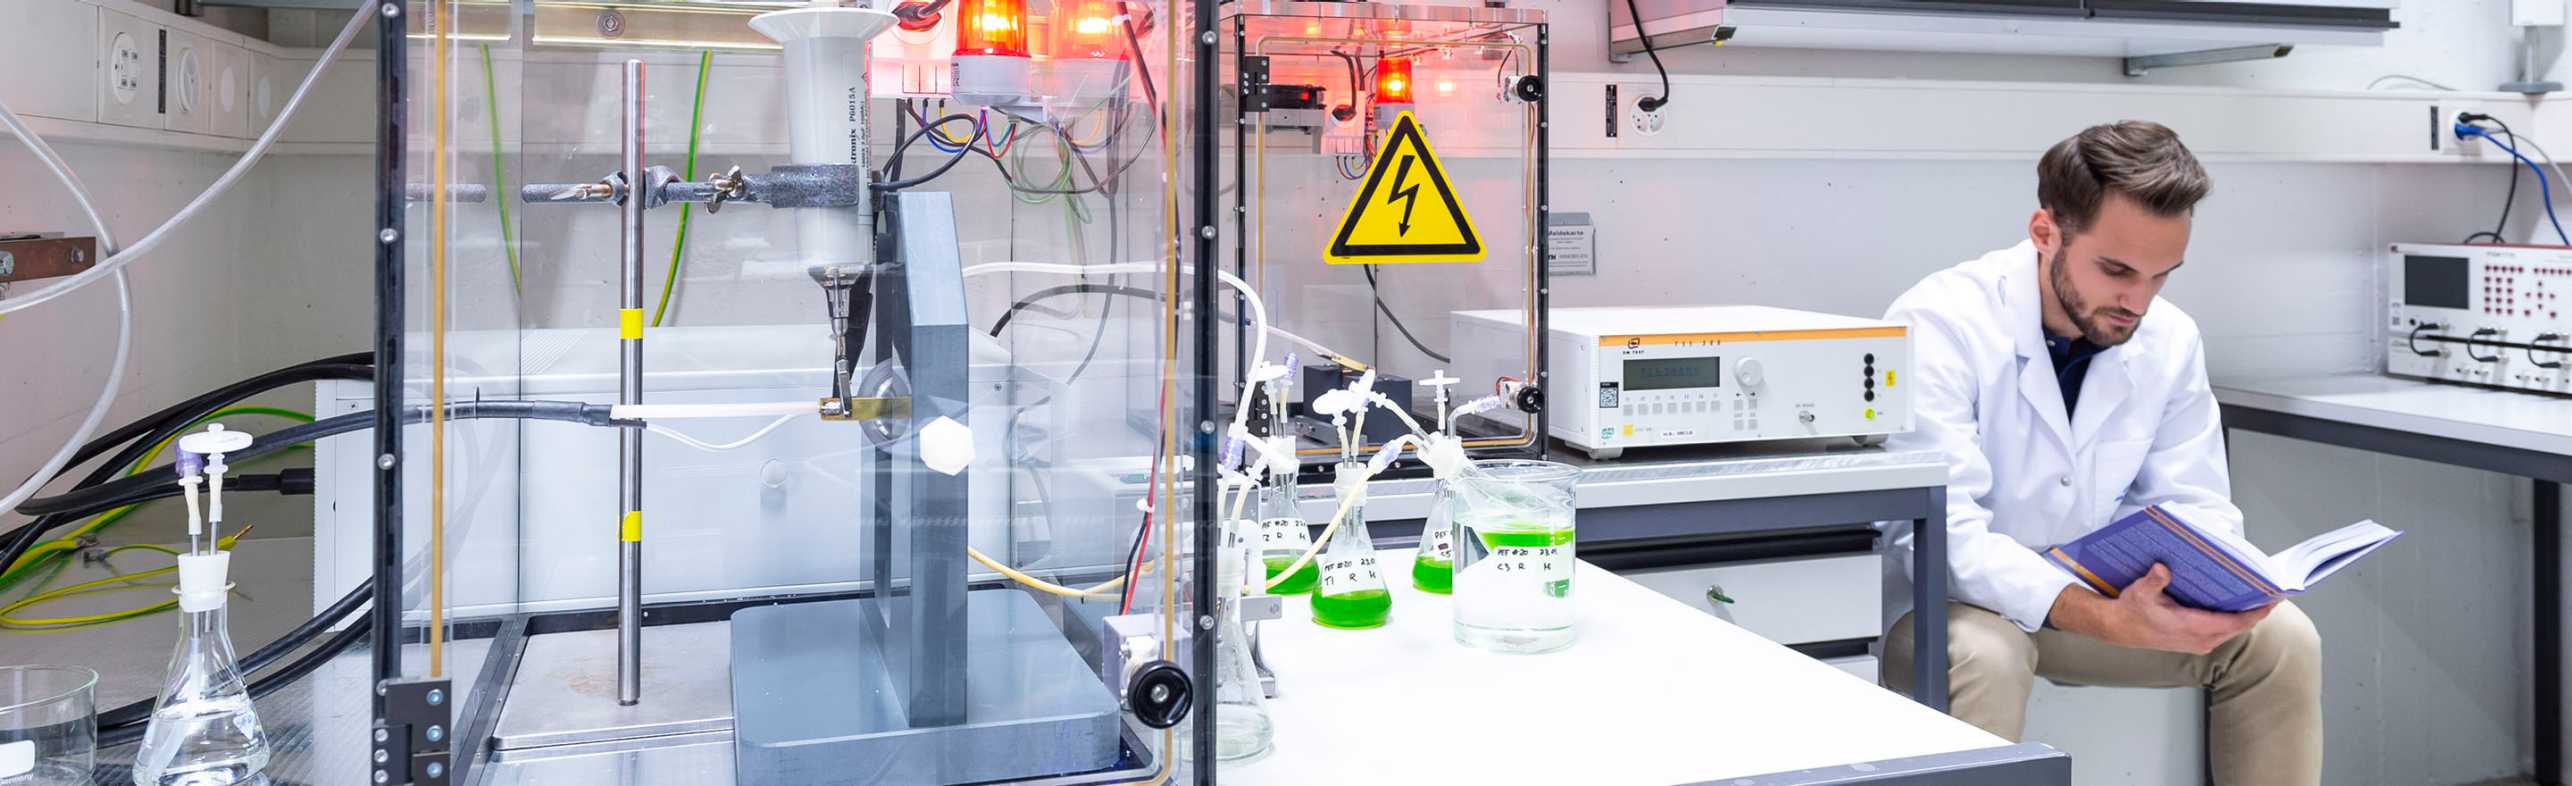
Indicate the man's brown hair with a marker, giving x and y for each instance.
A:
(2141, 159)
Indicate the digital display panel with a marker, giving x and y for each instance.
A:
(1669, 373)
(2436, 282)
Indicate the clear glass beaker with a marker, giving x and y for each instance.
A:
(1513, 525)
(48, 725)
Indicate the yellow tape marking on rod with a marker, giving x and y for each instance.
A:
(633, 529)
(629, 323)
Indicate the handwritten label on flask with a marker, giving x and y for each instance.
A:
(1350, 574)
(1278, 534)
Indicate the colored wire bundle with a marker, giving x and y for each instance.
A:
(2544, 185)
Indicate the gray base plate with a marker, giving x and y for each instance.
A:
(813, 704)
(565, 694)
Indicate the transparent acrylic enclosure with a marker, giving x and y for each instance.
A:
(1069, 368)
(1294, 169)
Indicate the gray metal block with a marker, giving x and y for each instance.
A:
(814, 704)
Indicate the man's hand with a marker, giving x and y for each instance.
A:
(2144, 616)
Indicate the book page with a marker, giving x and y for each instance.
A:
(2319, 556)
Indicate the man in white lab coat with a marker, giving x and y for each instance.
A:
(2066, 394)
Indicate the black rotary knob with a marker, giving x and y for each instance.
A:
(1160, 694)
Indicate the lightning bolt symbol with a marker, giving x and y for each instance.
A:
(1407, 195)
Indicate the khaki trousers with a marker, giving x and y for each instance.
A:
(2264, 687)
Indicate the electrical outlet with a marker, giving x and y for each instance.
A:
(1648, 122)
(190, 106)
(234, 73)
(130, 89)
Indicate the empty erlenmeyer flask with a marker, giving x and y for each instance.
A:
(1350, 593)
(1284, 536)
(204, 731)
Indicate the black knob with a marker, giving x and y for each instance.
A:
(1531, 399)
(1530, 89)
(1160, 694)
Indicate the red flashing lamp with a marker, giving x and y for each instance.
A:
(1393, 81)
(1086, 30)
(991, 28)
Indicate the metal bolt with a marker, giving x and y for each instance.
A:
(390, 10)
(1205, 427)
(1205, 622)
(380, 777)
(381, 736)
(1206, 38)
(437, 697)
(388, 235)
(1160, 693)
(381, 756)
(1207, 231)
(384, 461)
(437, 770)
(437, 733)
(611, 24)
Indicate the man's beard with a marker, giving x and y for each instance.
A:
(2094, 324)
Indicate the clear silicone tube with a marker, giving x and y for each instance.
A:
(124, 315)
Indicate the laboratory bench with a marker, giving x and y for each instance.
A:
(2526, 435)
(1683, 519)
(1676, 694)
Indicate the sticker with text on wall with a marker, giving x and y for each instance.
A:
(1406, 212)
(1571, 245)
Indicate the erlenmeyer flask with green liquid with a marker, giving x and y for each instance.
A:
(1350, 594)
(1433, 569)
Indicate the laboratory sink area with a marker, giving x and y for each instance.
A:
(1284, 392)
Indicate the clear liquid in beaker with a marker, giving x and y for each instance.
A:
(1513, 579)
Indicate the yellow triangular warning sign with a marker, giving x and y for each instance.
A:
(1406, 211)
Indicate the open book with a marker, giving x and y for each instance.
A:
(2211, 568)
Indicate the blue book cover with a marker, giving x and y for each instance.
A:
(2211, 569)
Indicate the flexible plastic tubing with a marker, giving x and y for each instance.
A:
(124, 317)
(2530, 143)
(126, 255)
(676, 436)
(685, 411)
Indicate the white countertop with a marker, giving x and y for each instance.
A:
(1653, 693)
(2529, 421)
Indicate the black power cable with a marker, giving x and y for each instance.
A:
(1377, 295)
(168, 422)
(100, 497)
(1653, 103)
(2509, 198)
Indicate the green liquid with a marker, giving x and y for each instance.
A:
(1433, 575)
(1533, 537)
(1302, 581)
(1352, 610)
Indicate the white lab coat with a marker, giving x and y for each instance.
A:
(2021, 476)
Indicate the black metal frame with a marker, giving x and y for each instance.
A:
(2544, 469)
(1249, 97)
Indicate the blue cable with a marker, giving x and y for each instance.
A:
(2544, 187)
